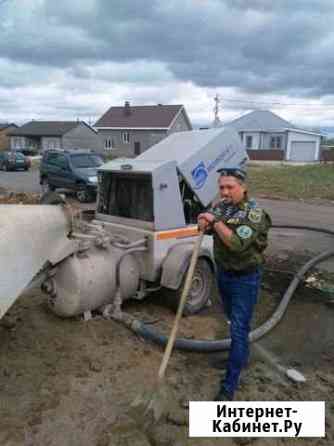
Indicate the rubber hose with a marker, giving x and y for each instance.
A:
(305, 228)
(205, 346)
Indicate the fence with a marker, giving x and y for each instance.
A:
(266, 155)
(327, 155)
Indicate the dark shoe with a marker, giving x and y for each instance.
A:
(222, 395)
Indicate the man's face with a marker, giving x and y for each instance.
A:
(231, 190)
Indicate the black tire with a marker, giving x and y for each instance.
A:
(84, 196)
(199, 293)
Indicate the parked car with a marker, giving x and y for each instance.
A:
(74, 170)
(14, 161)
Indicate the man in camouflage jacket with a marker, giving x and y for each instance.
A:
(240, 230)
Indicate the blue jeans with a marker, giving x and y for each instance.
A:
(239, 295)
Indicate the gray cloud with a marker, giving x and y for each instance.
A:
(254, 46)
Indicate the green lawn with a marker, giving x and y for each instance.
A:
(292, 182)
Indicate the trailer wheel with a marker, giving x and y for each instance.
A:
(84, 196)
(199, 293)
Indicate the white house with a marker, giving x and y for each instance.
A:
(276, 138)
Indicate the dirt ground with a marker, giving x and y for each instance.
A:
(18, 197)
(70, 382)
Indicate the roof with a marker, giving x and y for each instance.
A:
(265, 121)
(45, 128)
(260, 120)
(143, 116)
(6, 125)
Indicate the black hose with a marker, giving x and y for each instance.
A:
(305, 228)
(205, 346)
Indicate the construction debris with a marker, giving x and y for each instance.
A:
(18, 197)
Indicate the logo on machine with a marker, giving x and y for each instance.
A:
(199, 175)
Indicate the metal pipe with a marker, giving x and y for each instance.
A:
(129, 245)
(124, 254)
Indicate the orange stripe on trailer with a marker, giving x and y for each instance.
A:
(177, 233)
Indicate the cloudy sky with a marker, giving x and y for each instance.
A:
(69, 59)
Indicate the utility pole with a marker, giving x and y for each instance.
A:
(217, 121)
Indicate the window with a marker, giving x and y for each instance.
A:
(61, 162)
(56, 159)
(108, 144)
(18, 142)
(51, 158)
(83, 161)
(126, 137)
(249, 142)
(52, 143)
(275, 142)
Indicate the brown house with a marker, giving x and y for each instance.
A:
(130, 130)
(4, 135)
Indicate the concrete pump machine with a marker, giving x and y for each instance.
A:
(140, 239)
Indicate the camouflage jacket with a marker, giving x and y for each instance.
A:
(250, 226)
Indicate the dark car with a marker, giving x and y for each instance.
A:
(14, 161)
(75, 170)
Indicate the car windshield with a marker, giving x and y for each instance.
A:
(19, 156)
(86, 160)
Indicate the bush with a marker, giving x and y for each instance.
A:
(109, 156)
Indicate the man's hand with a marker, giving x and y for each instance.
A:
(210, 218)
(223, 232)
(202, 224)
(205, 220)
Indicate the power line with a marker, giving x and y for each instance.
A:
(274, 103)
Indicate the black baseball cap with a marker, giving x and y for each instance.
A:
(233, 172)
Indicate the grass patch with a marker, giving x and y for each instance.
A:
(292, 182)
(109, 157)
